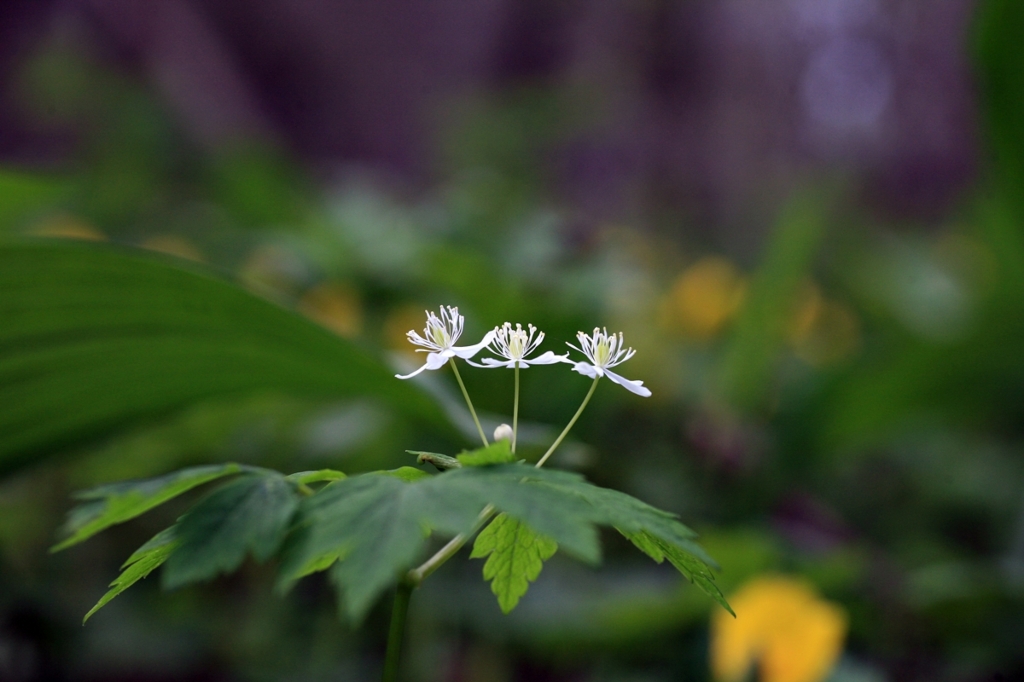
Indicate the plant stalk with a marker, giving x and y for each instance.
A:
(465, 394)
(515, 412)
(568, 426)
(396, 634)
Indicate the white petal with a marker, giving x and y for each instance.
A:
(634, 386)
(434, 361)
(466, 352)
(491, 363)
(587, 370)
(546, 358)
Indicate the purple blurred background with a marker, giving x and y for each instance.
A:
(716, 108)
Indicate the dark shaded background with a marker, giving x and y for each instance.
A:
(804, 214)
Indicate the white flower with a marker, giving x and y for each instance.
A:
(605, 350)
(439, 337)
(513, 345)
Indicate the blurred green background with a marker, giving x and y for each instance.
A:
(806, 216)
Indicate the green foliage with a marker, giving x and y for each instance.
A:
(98, 339)
(749, 361)
(369, 529)
(407, 474)
(321, 476)
(23, 195)
(378, 523)
(144, 561)
(999, 52)
(695, 570)
(249, 515)
(498, 452)
(515, 555)
(440, 462)
(119, 502)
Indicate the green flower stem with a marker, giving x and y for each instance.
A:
(395, 636)
(465, 394)
(568, 426)
(418, 575)
(515, 412)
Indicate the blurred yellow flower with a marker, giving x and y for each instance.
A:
(335, 306)
(396, 327)
(273, 271)
(822, 331)
(704, 298)
(173, 245)
(783, 627)
(66, 226)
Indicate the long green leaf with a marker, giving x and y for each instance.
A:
(94, 339)
(119, 502)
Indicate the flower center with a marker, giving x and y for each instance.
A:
(438, 334)
(602, 351)
(517, 344)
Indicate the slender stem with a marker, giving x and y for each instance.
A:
(465, 394)
(568, 426)
(418, 575)
(515, 412)
(398, 612)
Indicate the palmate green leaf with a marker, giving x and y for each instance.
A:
(144, 561)
(250, 515)
(378, 523)
(606, 507)
(119, 502)
(96, 339)
(534, 497)
(371, 528)
(696, 571)
(515, 555)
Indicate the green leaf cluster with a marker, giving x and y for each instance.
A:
(369, 530)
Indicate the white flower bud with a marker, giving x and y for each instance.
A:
(503, 432)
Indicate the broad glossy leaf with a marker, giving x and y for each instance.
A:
(515, 555)
(96, 338)
(116, 503)
(249, 515)
(144, 561)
